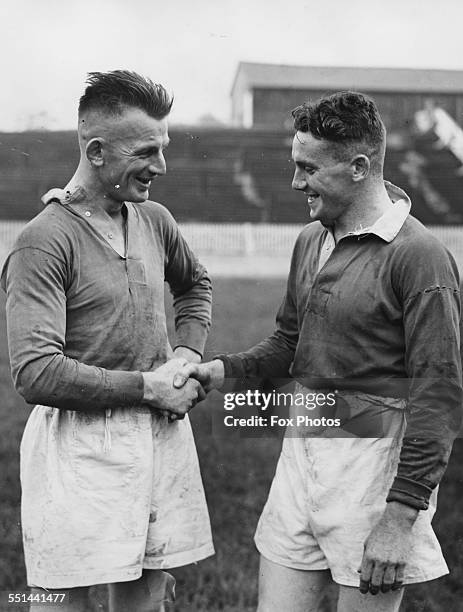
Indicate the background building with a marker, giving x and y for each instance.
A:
(263, 94)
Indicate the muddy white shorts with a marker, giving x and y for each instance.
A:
(104, 496)
(327, 495)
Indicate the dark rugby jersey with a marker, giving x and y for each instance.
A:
(83, 321)
(380, 316)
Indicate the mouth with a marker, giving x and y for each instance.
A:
(145, 182)
(312, 196)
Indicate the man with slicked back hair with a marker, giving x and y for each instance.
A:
(111, 488)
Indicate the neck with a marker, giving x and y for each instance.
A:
(94, 197)
(366, 209)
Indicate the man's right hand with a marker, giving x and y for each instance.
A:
(211, 375)
(159, 391)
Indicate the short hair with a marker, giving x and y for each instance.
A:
(113, 92)
(345, 118)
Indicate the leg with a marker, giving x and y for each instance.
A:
(351, 600)
(150, 593)
(77, 602)
(283, 588)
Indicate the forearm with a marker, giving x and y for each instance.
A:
(192, 309)
(421, 467)
(433, 422)
(65, 383)
(433, 365)
(191, 289)
(269, 359)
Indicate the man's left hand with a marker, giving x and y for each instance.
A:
(387, 549)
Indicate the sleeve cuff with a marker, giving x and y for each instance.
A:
(192, 336)
(233, 366)
(235, 378)
(124, 388)
(410, 493)
(188, 347)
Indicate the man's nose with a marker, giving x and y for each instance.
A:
(299, 181)
(158, 165)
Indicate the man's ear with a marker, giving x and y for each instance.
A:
(94, 151)
(360, 167)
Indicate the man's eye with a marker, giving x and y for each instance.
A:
(148, 153)
(309, 170)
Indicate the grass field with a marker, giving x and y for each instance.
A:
(237, 473)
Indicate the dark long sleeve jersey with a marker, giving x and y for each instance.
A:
(380, 316)
(84, 322)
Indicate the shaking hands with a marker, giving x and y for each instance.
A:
(177, 386)
(210, 375)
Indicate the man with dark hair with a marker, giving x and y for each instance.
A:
(111, 488)
(371, 314)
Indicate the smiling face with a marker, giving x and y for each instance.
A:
(324, 175)
(130, 155)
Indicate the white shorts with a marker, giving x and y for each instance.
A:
(326, 496)
(103, 498)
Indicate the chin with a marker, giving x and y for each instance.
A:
(321, 214)
(136, 197)
(315, 214)
(139, 199)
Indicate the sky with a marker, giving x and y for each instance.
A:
(193, 47)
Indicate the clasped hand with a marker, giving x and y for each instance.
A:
(160, 393)
(177, 386)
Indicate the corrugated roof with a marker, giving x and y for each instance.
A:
(371, 79)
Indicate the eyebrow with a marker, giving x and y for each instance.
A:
(152, 147)
(305, 163)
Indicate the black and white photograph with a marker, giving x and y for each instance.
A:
(231, 250)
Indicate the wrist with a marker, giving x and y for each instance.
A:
(187, 353)
(148, 390)
(217, 373)
(402, 512)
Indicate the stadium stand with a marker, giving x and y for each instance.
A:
(228, 175)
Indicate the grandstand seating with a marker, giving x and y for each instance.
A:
(226, 175)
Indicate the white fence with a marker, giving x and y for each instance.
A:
(265, 243)
(240, 238)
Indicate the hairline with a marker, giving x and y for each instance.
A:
(119, 111)
(343, 148)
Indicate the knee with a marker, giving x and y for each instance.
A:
(154, 588)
